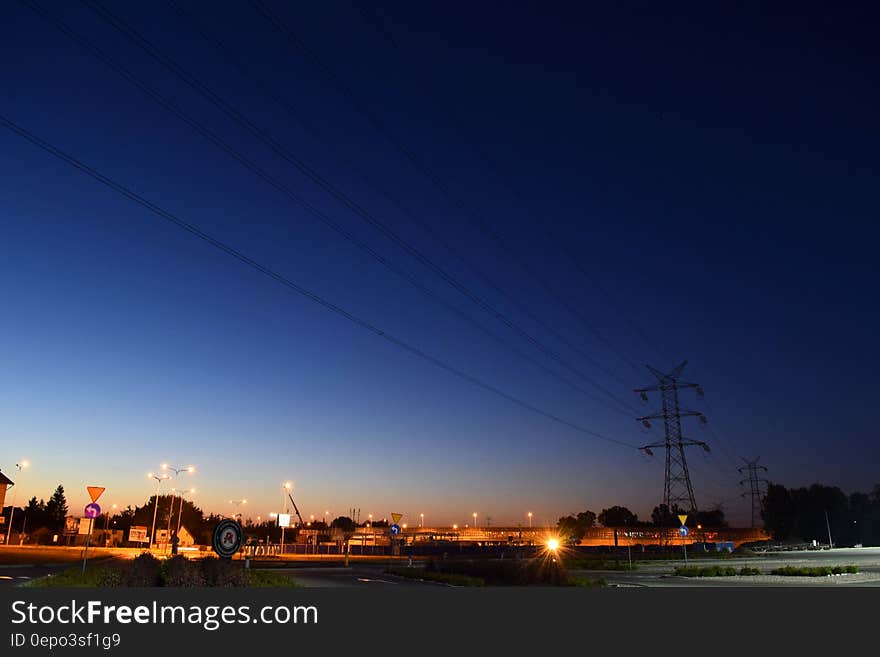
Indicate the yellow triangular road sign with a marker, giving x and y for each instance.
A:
(682, 518)
(95, 492)
(396, 517)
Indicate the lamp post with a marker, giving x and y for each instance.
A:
(421, 520)
(474, 514)
(237, 503)
(21, 466)
(183, 493)
(529, 514)
(159, 479)
(188, 469)
(107, 526)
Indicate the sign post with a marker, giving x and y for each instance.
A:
(395, 530)
(91, 512)
(683, 530)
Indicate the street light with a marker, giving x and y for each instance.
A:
(188, 469)
(421, 520)
(183, 493)
(530, 519)
(159, 479)
(237, 503)
(107, 526)
(474, 514)
(21, 466)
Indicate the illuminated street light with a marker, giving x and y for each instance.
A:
(530, 519)
(474, 514)
(159, 479)
(237, 504)
(21, 466)
(553, 544)
(422, 520)
(190, 469)
(183, 493)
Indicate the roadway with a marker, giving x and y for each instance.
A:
(660, 573)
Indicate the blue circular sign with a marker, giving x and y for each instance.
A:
(394, 529)
(92, 510)
(683, 530)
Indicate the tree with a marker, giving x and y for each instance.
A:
(586, 519)
(346, 524)
(663, 516)
(56, 509)
(618, 516)
(568, 529)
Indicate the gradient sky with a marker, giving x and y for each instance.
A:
(716, 173)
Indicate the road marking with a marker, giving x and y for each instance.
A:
(366, 579)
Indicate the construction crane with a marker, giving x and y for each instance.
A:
(302, 522)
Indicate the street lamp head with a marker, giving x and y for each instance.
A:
(553, 544)
(288, 485)
(24, 464)
(164, 466)
(191, 469)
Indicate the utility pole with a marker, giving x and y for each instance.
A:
(755, 482)
(678, 492)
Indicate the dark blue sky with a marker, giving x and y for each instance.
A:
(715, 173)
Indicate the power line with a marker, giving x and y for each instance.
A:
(298, 116)
(419, 164)
(490, 163)
(283, 280)
(192, 81)
(293, 196)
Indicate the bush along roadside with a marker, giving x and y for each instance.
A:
(147, 571)
(715, 571)
(814, 571)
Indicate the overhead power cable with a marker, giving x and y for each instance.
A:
(299, 116)
(420, 165)
(237, 116)
(323, 217)
(288, 283)
(491, 163)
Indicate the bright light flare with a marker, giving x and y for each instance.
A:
(553, 544)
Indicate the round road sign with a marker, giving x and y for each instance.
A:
(92, 510)
(683, 530)
(394, 529)
(227, 538)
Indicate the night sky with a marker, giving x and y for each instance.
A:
(714, 174)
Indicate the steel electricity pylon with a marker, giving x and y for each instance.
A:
(677, 488)
(752, 467)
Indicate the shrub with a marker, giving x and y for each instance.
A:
(180, 571)
(143, 570)
(705, 571)
(813, 571)
(223, 573)
(749, 570)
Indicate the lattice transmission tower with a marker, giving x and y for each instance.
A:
(678, 491)
(755, 482)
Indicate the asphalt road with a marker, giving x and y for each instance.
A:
(355, 576)
(20, 574)
(661, 573)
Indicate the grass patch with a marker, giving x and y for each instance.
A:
(71, 577)
(263, 578)
(705, 571)
(453, 579)
(587, 583)
(814, 571)
(748, 570)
